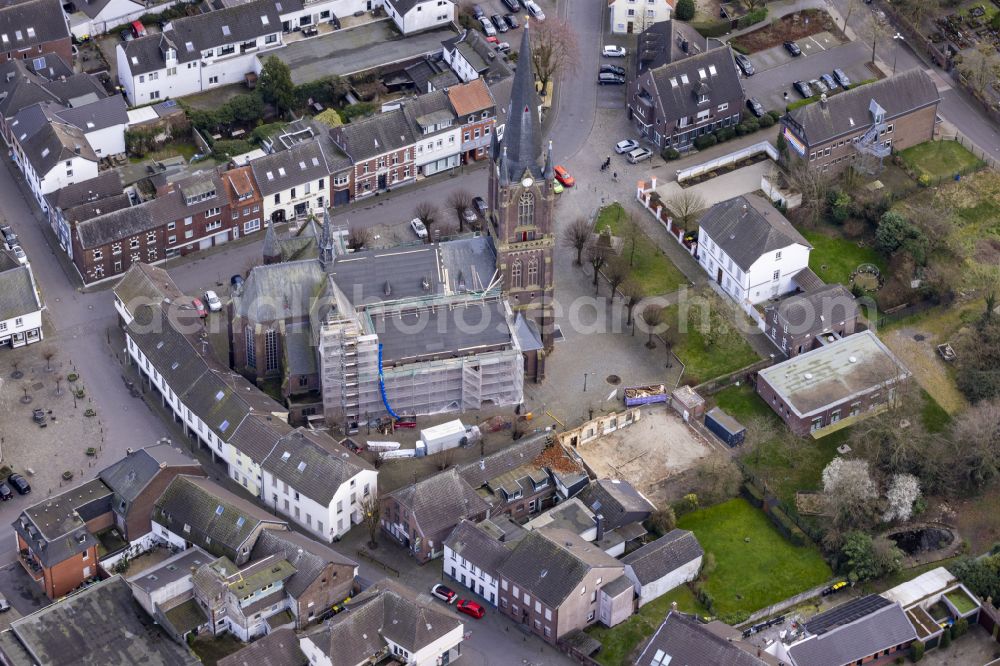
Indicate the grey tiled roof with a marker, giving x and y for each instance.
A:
(300, 352)
(522, 139)
(440, 501)
(616, 500)
(480, 325)
(32, 23)
(477, 546)
(668, 553)
(102, 114)
(814, 311)
(130, 475)
(101, 625)
(550, 563)
(118, 224)
(299, 164)
(681, 100)
(195, 501)
(279, 291)
(307, 556)
(56, 527)
(256, 436)
(230, 25)
(144, 284)
(17, 293)
(387, 609)
(382, 133)
(661, 44)
(25, 85)
(54, 142)
(478, 472)
(688, 642)
(171, 570)
(747, 227)
(106, 184)
(882, 629)
(848, 112)
(403, 7)
(147, 54)
(313, 470)
(278, 648)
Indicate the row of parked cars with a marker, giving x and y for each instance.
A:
(11, 243)
(497, 23)
(17, 482)
(448, 595)
(825, 83)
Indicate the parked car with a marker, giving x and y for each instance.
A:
(469, 215)
(418, 227)
(499, 23)
(610, 79)
(557, 187)
(477, 11)
(828, 80)
(756, 108)
(126, 35)
(198, 307)
(626, 146)
(4, 605)
(511, 21)
(5, 492)
(503, 47)
(445, 594)
(213, 301)
(611, 51)
(19, 483)
(513, 5)
(470, 608)
(793, 49)
(487, 26)
(22, 258)
(236, 282)
(612, 69)
(842, 78)
(533, 9)
(818, 86)
(492, 39)
(563, 176)
(803, 88)
(138, 29)
(745, 65)
(639, 155)
(480, 205)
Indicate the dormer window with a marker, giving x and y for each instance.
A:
(702, 99)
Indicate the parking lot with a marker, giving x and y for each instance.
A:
(776, 71)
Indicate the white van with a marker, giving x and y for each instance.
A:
(535, 11)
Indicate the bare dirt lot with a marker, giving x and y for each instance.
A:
(646, 453)
(921, 357)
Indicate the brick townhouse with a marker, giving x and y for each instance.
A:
(891, 114)
(381, 150)
(29, 29)
(476, 111)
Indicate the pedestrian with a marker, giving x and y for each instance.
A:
(615, 176)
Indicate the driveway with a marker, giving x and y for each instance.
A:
(347, 51)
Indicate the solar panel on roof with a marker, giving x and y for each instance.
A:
(846, 613)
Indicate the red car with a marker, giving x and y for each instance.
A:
(563, 177)
(470, 608)
(492, 40)
(199, 307)
(443, 593)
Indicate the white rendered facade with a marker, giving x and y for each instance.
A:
(768, 277)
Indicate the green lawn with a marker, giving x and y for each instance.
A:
(933, 416)
(185, 149)
(939, 159)
(756, 565)
(650, 268)
(617, 643)
(688, 324)
(742, 403)
(833, 259)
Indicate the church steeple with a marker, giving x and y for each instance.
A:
(522, 137)
(326, 248)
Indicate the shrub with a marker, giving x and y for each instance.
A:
(72, 377)
(916, 651)
(945, 638)
(352, 111)
(686, 505)
(737, 617)
(262, 132)
(662, 521)
(787, 527)
(766, 121)
(684, 10)
(924, 180)
(751, 17)
(753, 494)
(775, 116)
(705, 141)
(961, 627)
(724, 133)
(231, 147)
(739, 48)
(712, 28)
(670, 154)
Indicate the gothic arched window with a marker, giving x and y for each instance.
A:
(533, 271)
(515, 274)
(526, 210)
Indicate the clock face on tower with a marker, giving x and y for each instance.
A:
(527, 182)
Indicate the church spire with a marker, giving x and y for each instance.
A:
(523, 133)
(271, 250)
(326, 248)
(549, 164)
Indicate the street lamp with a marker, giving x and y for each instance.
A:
(897, 38)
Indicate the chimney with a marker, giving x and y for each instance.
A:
(673, 606)
(129, 451)
(600, 526)
(822, 100)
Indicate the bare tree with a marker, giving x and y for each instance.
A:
(48, 354)
(632, 293)
(686, 207)
(631, 233)
(460, 201)
(753, 4)
(427, 213)
(981, 66)
(875, 28)
(554, 49)
(851, 6)
(358, 238)
(813, 184)
(371, 510)
(577, 235)
(597, 256)
(654, 316)
(616, 271)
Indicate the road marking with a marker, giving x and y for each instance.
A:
(816, 42)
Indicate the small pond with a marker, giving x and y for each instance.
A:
(923, 539)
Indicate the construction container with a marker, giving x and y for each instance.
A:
(725, 427)
(645, 395)
(445, 436)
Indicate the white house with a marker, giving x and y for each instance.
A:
(628, 16)
(294, 181)
(50, 152)
(20, 305)
(661, 565)
(468, 55)
(103, 124)
(387, 618)
(437, 134)
(199, 52)
(473, 553)
(413, 16)
(321, 490)
(750, 249)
